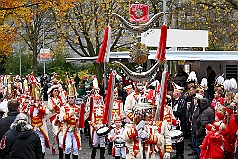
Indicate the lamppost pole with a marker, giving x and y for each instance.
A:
(20, 56)
(44, 44)
(164, 9)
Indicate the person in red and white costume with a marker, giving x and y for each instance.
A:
(18, 84)
(96, 121)
(115, 135)
(231, 129)
(141, 138)
(32, 82)
(213, 144)
(25, 104)
(129, 103)
(37, 114)
(55, 102)
(69, 115)
(117, 109)
(218, 100)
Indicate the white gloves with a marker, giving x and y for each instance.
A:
(143, 135)
(167, 155)
(140, 125)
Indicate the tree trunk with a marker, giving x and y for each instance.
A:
(34, 58)
(99, 72)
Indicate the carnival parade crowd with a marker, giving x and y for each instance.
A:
(140, 122)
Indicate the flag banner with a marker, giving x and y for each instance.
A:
(161, 50)
(103, 55)
(139, 13)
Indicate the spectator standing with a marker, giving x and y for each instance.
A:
(207, 116)
(77, 80)
(13, 111)
(211, 75)
(179, 111)
(45, 90)
(21, 140)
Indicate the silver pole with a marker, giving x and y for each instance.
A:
(164, 10)
(105, 74)
(20, 56)
(44, 45)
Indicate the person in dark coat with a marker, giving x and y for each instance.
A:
(5, 123)
(193, 118)
(13, 111)
(206, 116)
(179, 111)
(22, 141)
(211, 75)
(45, 90)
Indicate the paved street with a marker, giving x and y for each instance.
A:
(86, 150)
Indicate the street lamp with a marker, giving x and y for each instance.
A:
(44, 44)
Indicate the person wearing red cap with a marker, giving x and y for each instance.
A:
(219, 116)
(204, 154)
(230, 137)
(212, 146)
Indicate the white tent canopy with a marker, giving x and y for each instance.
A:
(174, 56)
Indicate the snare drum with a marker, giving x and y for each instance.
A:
(103, 131)
(176, 136)
(119, 143)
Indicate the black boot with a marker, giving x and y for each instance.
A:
(43, 155)
(94, 151)
(61, 153)
(75, 156)
(67, 156)
(102, 152)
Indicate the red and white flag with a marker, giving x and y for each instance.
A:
(103, 55)
(109, 100)
(159, 115)
(139, 13)
(160, 55)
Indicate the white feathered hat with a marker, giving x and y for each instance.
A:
(192, 77)
(204, 83)
(227, 85)
(177, 87)
(219, 81)
(233, 83)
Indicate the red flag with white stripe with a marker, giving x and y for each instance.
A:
(103, 55)
(109, 99)
(159, 115)
(160, 55)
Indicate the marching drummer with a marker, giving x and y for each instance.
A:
(69, 115)
(97, 116)
(141, 139)
(116, 111)
(115, 136)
